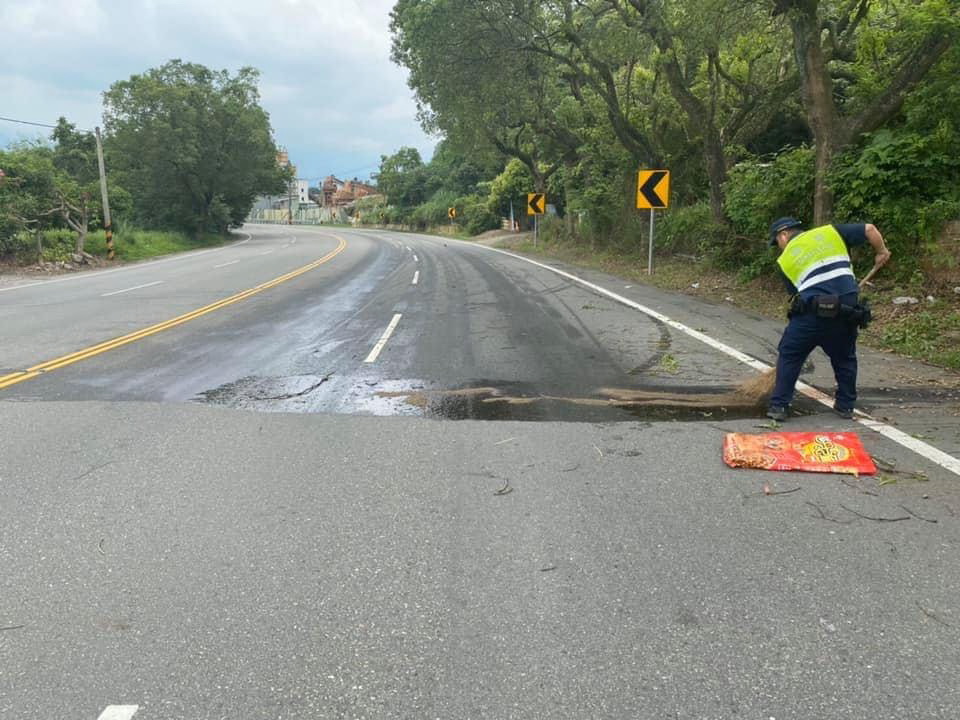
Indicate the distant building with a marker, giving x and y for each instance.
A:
(337, 193)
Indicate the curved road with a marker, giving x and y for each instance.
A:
(164, 556)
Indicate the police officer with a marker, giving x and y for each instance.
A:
(825, 310)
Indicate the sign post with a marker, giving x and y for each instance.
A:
(653, 193)
(536, 206)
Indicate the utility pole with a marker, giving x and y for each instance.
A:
(107, 226)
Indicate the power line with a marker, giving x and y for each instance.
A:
(45, 125)
(27, 122)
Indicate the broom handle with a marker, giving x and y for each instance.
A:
(869, 275)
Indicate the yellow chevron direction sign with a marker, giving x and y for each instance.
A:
(653, 189)
(452, 213)
(536, 203)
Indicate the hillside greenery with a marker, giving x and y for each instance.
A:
(828, 110)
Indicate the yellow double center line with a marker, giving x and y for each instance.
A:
(50, 365)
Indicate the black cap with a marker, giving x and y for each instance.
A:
(784, 223)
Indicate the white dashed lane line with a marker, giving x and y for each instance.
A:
(119, 712)
(416, 278)
(415, 258)
(267, 252)
(135, 266)
(375, 353)
(232, 262)
(135, 287)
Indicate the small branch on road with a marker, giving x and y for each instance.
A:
(932, 616)
(824, 516)
(599, 451)
(91, 471)
(571, 468)
(875, 519)
(11, 627)
(291, 396)
(919, 517)
(858, 489)
(100, 547)
(504, 442)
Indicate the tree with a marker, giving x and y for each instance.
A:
(472, 84)
(402, 177)
(847, 89)
(28, 194)
(77, 187)
(192, 145)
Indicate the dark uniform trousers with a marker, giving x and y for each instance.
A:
(838, 338)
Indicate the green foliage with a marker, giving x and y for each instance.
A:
(402, 178)
(760, 191)
(931, 336)
(510, 186)
(475, 215)
(193, 146)
(690, 230)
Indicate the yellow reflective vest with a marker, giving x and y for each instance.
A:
(818, 258)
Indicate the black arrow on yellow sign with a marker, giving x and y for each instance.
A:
(653, 189)
(536, 203)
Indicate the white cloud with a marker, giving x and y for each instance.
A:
(333, 95)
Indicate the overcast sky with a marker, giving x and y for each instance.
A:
(336, 102)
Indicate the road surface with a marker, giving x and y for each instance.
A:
(265, 481)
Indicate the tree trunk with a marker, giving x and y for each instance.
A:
(818, 100)
(716, 172)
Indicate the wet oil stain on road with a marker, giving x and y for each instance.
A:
(485, 400)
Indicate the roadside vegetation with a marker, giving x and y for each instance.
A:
(573, 98)
(187, 150)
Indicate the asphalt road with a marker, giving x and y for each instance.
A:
(266, 510)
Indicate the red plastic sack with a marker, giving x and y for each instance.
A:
(808, 451)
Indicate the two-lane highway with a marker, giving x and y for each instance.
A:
(366, 316)
(176, 559)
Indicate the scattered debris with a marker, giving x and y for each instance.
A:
(932, 616)
(875, 519)
(571, 468)
(956, 290)
(505, 490)
(504, 442)
(305, 391)
(905, 300)
(920, 517)
(12, 627)
(599, 451)
(931, 299)
(828, 626)
(100, 547)
(858, 489)
(548, 568)
(823, 516)
(695, 286)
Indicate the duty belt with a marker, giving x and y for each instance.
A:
(829, 306)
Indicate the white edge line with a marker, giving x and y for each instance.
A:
(133, 266)
(136, 287)
(372, 357)
(119, 712)
(416, 277)
(267, 252)
(935, 455)
(232, 262)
